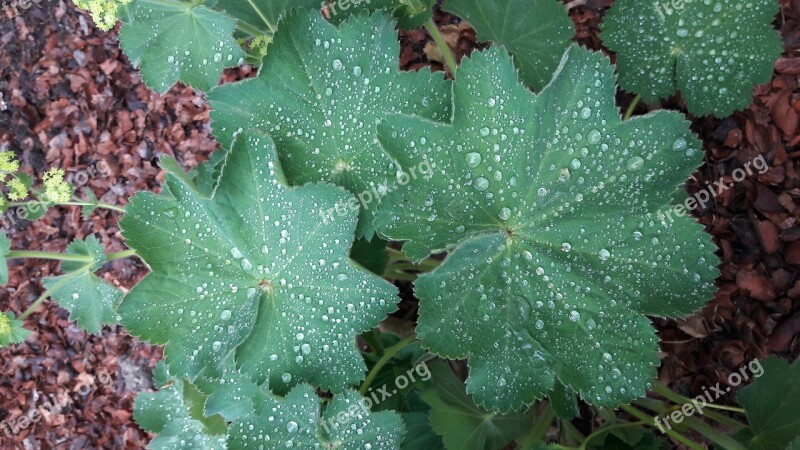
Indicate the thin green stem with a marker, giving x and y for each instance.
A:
(724, 441)
(673, 396)
(449, 58)
(650, 421)
(74, 203)
(62, 281)
(120, 255)
(262, 16)
(606, 429)
(17, 254)
(539, 431)
(632, 106)
(388, 354)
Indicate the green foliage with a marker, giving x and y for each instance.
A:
(462, 424)
(628, 438)
(772, 403)
(296, 421)
(263, 14)
(713, 51)
(90, 300)
(409, 13)
(536, 32)
(563, 401)
(529, 279)
(11, 330)
(251, 270)
(5, 248)
(325, 90)
(172, 40)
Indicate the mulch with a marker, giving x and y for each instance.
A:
(69, 98)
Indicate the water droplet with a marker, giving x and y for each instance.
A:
(635, 163)
(291, 426)
(566, 247)
(216, 345)
(604, 254)
(504, 214)
(226, 314)
(575, 164)
(357, 71)
(680, 144)
(574, 316)
(481, 184)
(337, 65)
(473, 159)
(484, 131)
(594, 137)
(286, 377)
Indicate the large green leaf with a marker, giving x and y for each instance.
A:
(171, 40)
(89, 299)
(464, 425)
(297, 422)
(713, 51)
(536, 32)
(772, 404)
(320, 99)
(553, 206)
(251, 270)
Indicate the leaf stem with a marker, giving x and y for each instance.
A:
(606, 429)
(53, 288)
(651, 422)
(120, 255)
(449, 58)
(632, 106)
(673, 396)
(388, 354)
(262, 16)
(539, 430)
(76, 203)
(17, 254)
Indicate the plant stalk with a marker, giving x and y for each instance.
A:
(449, 58)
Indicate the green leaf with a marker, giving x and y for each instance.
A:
(554, 208)
(264, 14)
(407, 363)
(536, 32)
(11, 330)
(231, 393)
(87, 210)
(772, 404)
(628, 438)
(5, 249)
(712, 51)
(463, 424)
(320, 100)
(420, 435)
(563, 401)
(371, 254)
(174, 413)
(172, 41)
(296, 422)
(251, 270)
(89, 299)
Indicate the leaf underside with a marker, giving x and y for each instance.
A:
(321, 97)
(251, 270)
(713, 51)
(554, 209)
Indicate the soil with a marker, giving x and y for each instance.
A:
(69, 98)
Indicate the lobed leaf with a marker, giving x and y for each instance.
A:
(263, 14)
(172, 40)
(772, 404)
(553, 209)
(297, 422)
(251, 270)
(536, 32)
(713, 51)
(320, 99)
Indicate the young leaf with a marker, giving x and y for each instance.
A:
(89, 299)
(5, 248)
(772, 404)
(11, 330)
(174, 413)
(320, 100)
(536, 32)
(462, 424)
(251, 268)
(171, 40)
(554, 206)
(712, 51)
(296, 422)
(563, 402)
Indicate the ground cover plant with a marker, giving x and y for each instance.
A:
(526, 210)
